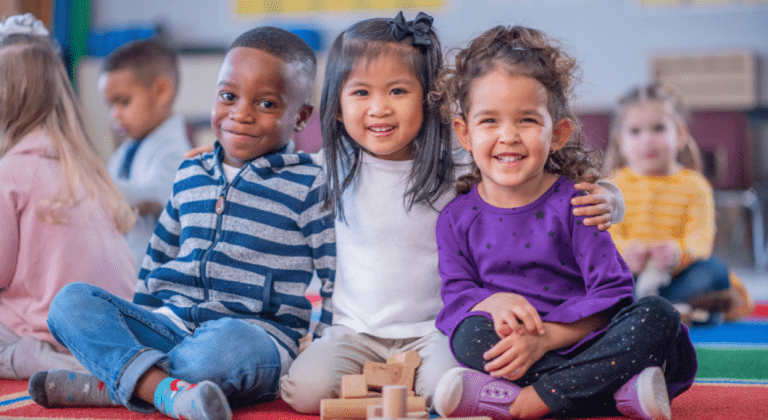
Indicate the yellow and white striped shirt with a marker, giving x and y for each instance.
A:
(677, 207)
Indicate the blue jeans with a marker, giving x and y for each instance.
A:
(703, 276)
(118, 341)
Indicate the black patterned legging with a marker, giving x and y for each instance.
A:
(640, 335)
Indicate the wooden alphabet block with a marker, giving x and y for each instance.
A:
(357, 408)
(353, 386)
(379, 374)
(409, 358)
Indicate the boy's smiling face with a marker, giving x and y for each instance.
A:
(259, 102)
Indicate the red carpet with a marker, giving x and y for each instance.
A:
(701, 402)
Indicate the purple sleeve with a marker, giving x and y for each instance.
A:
(608, 281)
(461, 287)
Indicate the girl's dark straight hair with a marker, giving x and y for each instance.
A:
(432, 171)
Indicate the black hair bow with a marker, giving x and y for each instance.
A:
(418, 27)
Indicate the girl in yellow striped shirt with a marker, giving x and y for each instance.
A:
(668, 232)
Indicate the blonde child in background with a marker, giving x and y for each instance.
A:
(220, 302)
(390, 169)
(668, 233)
(139, 81)
(63, 219)
(539, 306)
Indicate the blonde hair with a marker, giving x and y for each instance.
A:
(35, 94)
(688, 155)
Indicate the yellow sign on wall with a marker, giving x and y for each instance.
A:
(699, 2)
(248, 7)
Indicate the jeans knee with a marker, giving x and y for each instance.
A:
(69, 300)
(244, 355)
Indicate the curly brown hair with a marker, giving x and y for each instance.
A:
(528, 52)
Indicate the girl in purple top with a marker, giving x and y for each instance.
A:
(539, 306)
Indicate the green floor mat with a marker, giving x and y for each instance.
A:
(732, 363)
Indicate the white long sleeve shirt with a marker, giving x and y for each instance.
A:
(152, 174)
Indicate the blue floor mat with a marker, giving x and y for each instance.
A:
(744, 333)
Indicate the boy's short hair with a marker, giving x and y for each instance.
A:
(148, 59)
(284, 45)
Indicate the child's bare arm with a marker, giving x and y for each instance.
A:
(604, 203)
(509, 311)
(512, 356)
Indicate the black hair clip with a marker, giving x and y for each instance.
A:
(418, 27)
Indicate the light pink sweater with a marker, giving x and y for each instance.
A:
(38, 258)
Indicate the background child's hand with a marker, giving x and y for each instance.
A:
(511, 313)
(635, 255)
(149, 207)
(666, 255)
(511, 357)
(199, 150)
(599, 204)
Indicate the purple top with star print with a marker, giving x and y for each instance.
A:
(566, 270)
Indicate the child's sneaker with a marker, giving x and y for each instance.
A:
(466, 392)
(645, 396)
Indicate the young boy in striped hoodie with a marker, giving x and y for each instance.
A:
(219, 306)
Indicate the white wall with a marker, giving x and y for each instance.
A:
(612, 38)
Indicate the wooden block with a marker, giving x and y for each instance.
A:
(394, 401)
(417, 415)
(379, 374)
(427, 416)
(357, 408)
(353, 386)
(374, 411)
(409, 358)
(375, 394)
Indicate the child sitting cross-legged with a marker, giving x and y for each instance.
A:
(539, 306)
(219, 306)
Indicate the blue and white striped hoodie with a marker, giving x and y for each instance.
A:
(245, 249)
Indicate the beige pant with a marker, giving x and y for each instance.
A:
(316, 373)
(20, 357)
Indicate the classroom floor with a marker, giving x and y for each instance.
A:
(754, 280)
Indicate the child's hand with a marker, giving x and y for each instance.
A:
(199, 150)
(598, 203)
(149, 207)
(511, 357)
(666, 255)
(635, 255)
(511, 313)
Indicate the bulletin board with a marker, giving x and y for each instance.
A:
(250, 7)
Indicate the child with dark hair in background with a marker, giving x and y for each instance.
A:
(668, 234)
(139, 81)
(63, 219)
(538, 306)
(219, 306)
(390, 169)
